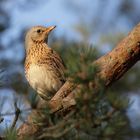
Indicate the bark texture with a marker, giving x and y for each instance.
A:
(112, 67)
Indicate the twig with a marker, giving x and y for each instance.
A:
(17, 112)
(1, 120)
(13, 113)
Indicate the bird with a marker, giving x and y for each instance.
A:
(44, 68)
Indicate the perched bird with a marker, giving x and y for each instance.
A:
(44, 69)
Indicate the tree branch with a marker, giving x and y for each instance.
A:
(112, 67)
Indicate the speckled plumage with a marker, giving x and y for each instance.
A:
(44, 68)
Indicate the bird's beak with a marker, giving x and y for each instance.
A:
(49, 29)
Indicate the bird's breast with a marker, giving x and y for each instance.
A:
(43, 79)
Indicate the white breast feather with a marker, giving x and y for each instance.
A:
(42, 80)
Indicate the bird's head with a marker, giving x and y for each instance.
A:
(38, 34)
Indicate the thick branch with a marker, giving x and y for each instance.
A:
(112, 67)
(117, 62)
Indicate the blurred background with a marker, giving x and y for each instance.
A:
(98, 23)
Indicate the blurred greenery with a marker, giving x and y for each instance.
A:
(10, 134)
(99, 116)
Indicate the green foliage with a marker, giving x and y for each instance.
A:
(10, 134)
(79, 64)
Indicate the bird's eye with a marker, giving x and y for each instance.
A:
(38, 31)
